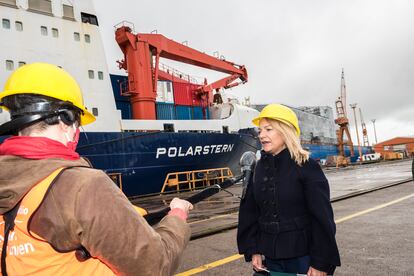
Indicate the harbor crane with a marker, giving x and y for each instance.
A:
(142, 53)
(364, 130)
(343, 122)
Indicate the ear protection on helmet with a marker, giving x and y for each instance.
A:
(67, 116)
(34, 113)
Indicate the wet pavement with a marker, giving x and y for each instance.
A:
(379, 242)
(219, 212)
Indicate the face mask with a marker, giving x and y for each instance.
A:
(71, 145)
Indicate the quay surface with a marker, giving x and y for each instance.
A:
(374, 230)
(219, 212)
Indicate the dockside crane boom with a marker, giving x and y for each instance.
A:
(364, 130)
(342, 119)
(142, 53)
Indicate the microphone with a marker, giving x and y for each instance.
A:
(247, 164)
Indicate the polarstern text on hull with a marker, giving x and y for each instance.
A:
(193, 150)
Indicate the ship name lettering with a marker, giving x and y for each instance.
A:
(180, 154)
(218, 148)
(192, 151)
(189, 151)
(172, 152)
(197, 150)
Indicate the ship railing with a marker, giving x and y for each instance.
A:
(196, 179)
(178, 74)
(125, 24)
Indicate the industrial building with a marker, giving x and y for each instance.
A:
(404, 145)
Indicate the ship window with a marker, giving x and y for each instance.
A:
(87, 38)
(42, 6)
(91, 74)
(55, 32)
(6, 23)
(9, 65)
(76, 36)
(19, 26)
(68, 12)
(100, 75)
(43, 30)
(89, 18)
(168, 87)
(95, 111)
(21, 63)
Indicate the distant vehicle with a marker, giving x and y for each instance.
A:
(370, 157)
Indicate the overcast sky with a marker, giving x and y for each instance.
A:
(294, 51)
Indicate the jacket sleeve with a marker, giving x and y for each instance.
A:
(88, 209)
(247, 229)
(323, 248)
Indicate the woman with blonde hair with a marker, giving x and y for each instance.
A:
(286, 216)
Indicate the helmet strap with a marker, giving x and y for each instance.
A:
(12, 126)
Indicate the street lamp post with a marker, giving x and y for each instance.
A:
(353, 106)
(375, 131)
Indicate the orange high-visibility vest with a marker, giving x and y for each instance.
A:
(29, 254)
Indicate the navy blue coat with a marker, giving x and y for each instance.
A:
(287, 213)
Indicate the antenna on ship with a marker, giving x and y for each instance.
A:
(343, 122)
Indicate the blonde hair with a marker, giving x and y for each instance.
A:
(291, 140)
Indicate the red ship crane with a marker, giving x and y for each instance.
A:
(342, 120)
(141, 60)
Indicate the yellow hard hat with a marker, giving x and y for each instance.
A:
(47, 80)
(280, 113)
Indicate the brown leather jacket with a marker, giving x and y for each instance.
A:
(84, 207)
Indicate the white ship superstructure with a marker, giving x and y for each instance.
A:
(66, 33)
(63, 34)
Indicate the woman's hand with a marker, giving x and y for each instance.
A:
(315, 272)
(257, 262)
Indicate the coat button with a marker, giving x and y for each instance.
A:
(265, 179)
(263, 189)
(275, 215)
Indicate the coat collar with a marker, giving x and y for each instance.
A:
(280, 157)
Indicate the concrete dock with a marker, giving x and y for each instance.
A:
(219, 212)
(374, 230)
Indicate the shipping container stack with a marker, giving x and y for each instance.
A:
(177, 101)
(165, 101)
(174, 100)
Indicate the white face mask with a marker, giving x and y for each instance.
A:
(67, 135)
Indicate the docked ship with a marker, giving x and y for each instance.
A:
(318, 133)
(152, 122)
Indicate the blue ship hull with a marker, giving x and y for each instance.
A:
(143, 160)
